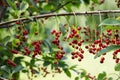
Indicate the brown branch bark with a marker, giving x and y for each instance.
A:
(59, 14)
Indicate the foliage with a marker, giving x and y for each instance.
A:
(35, 46)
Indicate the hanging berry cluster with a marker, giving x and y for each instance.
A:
(108, 38)
(96, 42)
(21, 42)
(60, 53)
(95, 39)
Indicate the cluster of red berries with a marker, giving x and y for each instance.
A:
(74, 33)
(57, 34)
(26, 51)
(60, 53)
(115, 53)
(37, 47)
(76, 43)
(78, 55)
(11, 63)
(105, 40)
(14, 51)
(22, 36)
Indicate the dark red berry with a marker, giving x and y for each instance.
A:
(102, 59)
(14, 51)
(79, 28)
(11, 63)
(117, 60)
(18, 22)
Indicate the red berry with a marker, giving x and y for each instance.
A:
(17, 43)
(73, 53)
(14, 51)
(55, 62)
(109, 30)
(117, 60)
(79, 44)
(62, 52)
(82, 51)
(18, 36)
(11, 63)
(25, 32)
(109, 34)
(18, 22)
(79, 28)
(82, 41)
(86, 47)
(102, 59)
(76, 47)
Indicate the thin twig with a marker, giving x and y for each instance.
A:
(59, 14)
(61, 6)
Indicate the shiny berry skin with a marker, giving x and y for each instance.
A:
(117, 60)
(25, 32)
(79, 28)
(18, 22)
(18, 36)
(11, 63)
(102, 60)
(86, 47)
(14, 51)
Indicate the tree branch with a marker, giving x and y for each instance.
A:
(24, 20)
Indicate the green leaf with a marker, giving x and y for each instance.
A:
(67, 72)
(86, 78)
(110, 21)
(110, 78)
(76, 78)
(17, 69)
(86, 1)
(7, 38)
(46, 63)
(32, 62)
(73, 67)
(5, 68)
(14, 42)
(117, 67)
(96, 1)
(18, 59)
(83, 73)
(101, 76)
(11, 4)
(108, 49)
(9, 45)
(62, 64)
(47, 43)
(111, 27)
(24, 6)
(62, 28)
(24, 71)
